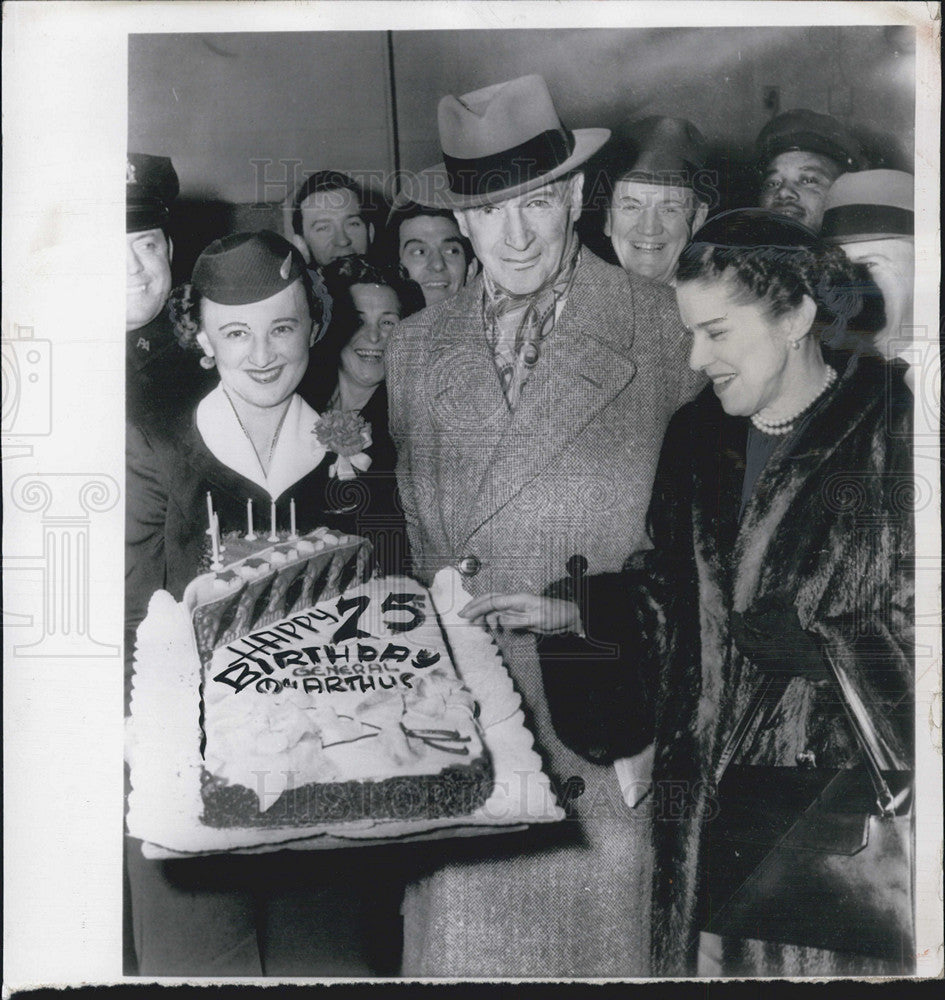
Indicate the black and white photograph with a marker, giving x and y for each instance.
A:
(518, 485)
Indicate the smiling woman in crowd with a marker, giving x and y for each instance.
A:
(347, 376)
(782, 544)
(251, 314)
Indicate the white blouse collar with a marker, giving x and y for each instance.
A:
(297, 451)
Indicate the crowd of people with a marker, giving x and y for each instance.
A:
(634, 456)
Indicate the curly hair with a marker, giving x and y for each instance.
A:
(183, 307)
(777, 261)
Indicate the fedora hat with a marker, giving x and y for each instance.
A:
(659, 150)
(869, 205)
(498, 142)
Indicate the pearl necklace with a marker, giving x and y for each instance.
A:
(275, 437)
(786, 424)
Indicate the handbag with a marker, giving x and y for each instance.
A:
(813, 856)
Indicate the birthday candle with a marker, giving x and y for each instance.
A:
(209, 513)
(273, 537)
(215, 541)
(292, 530)
(250, 534)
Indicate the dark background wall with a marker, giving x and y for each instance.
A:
(245, 117)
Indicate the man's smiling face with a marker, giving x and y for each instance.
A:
(521, 241)
(649, 224)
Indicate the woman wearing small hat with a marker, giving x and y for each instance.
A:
(781, 525)
(250, 449)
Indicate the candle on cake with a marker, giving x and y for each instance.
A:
(292, 532)
(273, 537)
(217, 564)
(209, 513)
(250, 534)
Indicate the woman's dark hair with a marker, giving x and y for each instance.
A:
(340, 276)
(778, 261)
(183, 307)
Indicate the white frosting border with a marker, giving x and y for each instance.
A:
(164, 804)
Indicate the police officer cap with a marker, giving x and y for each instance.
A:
(151, 185)
(806, 130)
(247, 267)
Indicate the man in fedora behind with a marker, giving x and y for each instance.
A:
(870, 215)
(657, 199)
(528, 410)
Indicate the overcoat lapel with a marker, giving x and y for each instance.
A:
(584, 366)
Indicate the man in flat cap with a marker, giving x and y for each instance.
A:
(870, 214)
(160, 378)
(528, 411)
(654, 203)
(801, 154)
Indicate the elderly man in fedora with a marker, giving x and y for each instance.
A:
(528, 410)
(658, 195)
(870, 215)
(801, 154)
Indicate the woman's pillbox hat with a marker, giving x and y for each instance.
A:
(151, 185)
(810, 132)
(247, 267)
(751, 228)
(870, 205)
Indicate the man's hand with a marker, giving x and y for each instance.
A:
(770, 635)
(528, 612)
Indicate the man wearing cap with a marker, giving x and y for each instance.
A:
(654, 205)
(870, 214)
(528, 411)
(159, 380)
(801, 154)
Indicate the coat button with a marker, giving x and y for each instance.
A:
(469, 565)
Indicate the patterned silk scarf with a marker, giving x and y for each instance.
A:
(516, 325)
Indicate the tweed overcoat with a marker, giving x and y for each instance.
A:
(830, 524)
(569, 473)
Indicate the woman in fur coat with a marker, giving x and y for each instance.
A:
(782, 529)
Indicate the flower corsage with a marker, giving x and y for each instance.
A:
(347, 435)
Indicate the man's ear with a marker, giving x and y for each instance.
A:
(204, 342)
(702, 210)
(460, 216)
(607, 222)
(313, 335)
(472, 269)
(302, 247)
(576, 190)
(170, 249)
(370, 233)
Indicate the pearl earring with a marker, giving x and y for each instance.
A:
(207, 362)
(796, 344)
